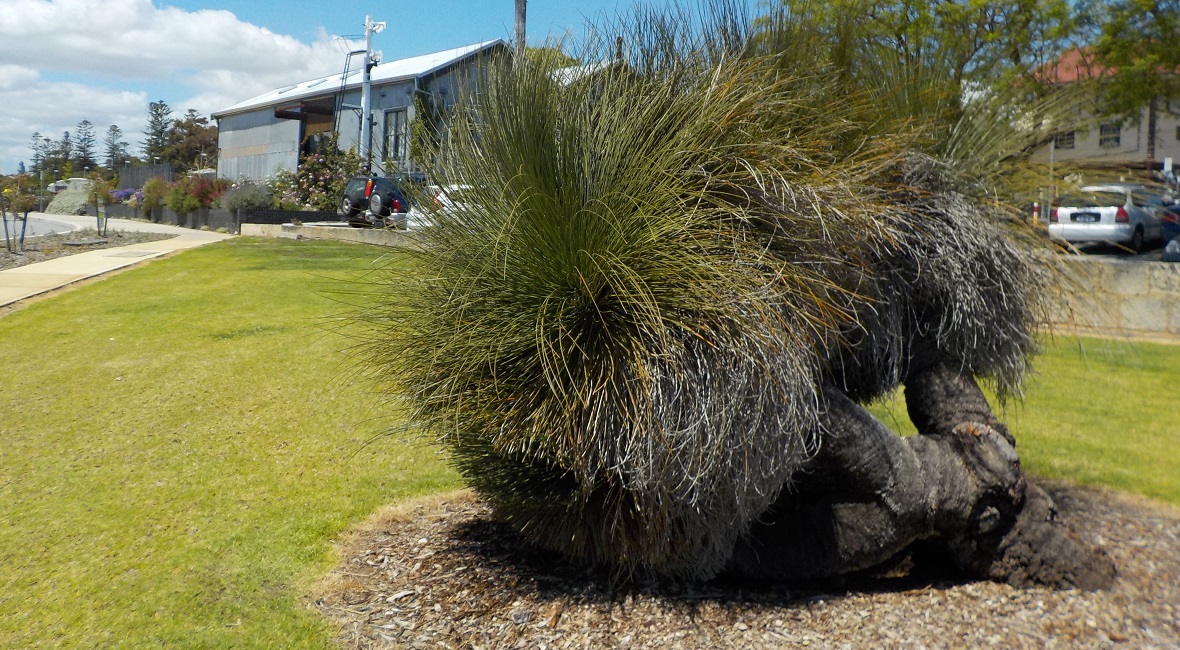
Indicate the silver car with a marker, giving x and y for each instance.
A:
(1123, 214)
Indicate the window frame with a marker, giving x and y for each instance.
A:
(1110, 135)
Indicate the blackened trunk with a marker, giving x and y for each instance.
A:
(871, 494)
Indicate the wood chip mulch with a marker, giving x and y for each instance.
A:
(440, 573)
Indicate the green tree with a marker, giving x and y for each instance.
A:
(973, 40)
(1139, 38)
(38, 148)
(114, 148)
(84, 145)
(18, 194)
(189, 137)
(63, 151)
(157, 133)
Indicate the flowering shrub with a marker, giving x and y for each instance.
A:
(123, 196)
(194, 192)
(284, 191)
(320, 180)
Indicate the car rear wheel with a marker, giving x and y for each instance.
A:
(348, 208)
(1137, 240)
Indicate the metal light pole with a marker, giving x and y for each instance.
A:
(367, 91)
(44, 164)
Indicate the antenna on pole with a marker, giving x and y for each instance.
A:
(371, 28)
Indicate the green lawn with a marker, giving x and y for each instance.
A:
(178, 446)
(1098, 412)
(180, 443)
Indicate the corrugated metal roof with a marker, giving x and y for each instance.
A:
(389, 71)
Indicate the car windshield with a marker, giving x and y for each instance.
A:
(1099, 199)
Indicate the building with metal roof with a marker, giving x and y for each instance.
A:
(275, 129)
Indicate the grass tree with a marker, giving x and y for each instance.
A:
(646, 335)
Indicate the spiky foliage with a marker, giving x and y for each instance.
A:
(623, 334)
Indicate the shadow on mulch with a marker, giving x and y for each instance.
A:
(547, 575)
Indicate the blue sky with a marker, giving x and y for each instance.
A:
(62, 61)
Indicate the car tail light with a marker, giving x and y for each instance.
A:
(1121, 216)
(1053, 215)
(1170, 217)
(397, 205)
(368, 189)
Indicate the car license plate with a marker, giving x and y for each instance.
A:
(1086, 217)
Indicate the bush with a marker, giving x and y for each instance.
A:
(320, 180)
(154, 193)
(194, 192)
(18, 196)
(246, 194)
(123, 196)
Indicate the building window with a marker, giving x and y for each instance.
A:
(396, 137)
(1064, 140)
(1110, 135)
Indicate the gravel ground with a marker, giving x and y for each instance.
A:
(47, 247)
(439, 573)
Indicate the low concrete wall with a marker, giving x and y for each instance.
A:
(1122, 296)
(375, 236)
(229, 220)
(1100, 294)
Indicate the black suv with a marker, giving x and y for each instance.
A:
(378, 200)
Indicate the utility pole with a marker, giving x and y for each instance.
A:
(371, 28)
(519, 31)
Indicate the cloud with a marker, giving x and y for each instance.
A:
(134, 39)
(34, 105)
(205, 60)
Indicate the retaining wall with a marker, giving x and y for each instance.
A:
(1101, 294)
(375, 236)
(229, 220)
(1116, 295)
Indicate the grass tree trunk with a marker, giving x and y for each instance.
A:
(871, 495)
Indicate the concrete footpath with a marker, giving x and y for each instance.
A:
(32, 279)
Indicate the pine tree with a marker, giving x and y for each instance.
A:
(84, 143)
(156, 135)
(38, 152)
(63, 151)
(114, 148)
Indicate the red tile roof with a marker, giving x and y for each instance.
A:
(1072, 65)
